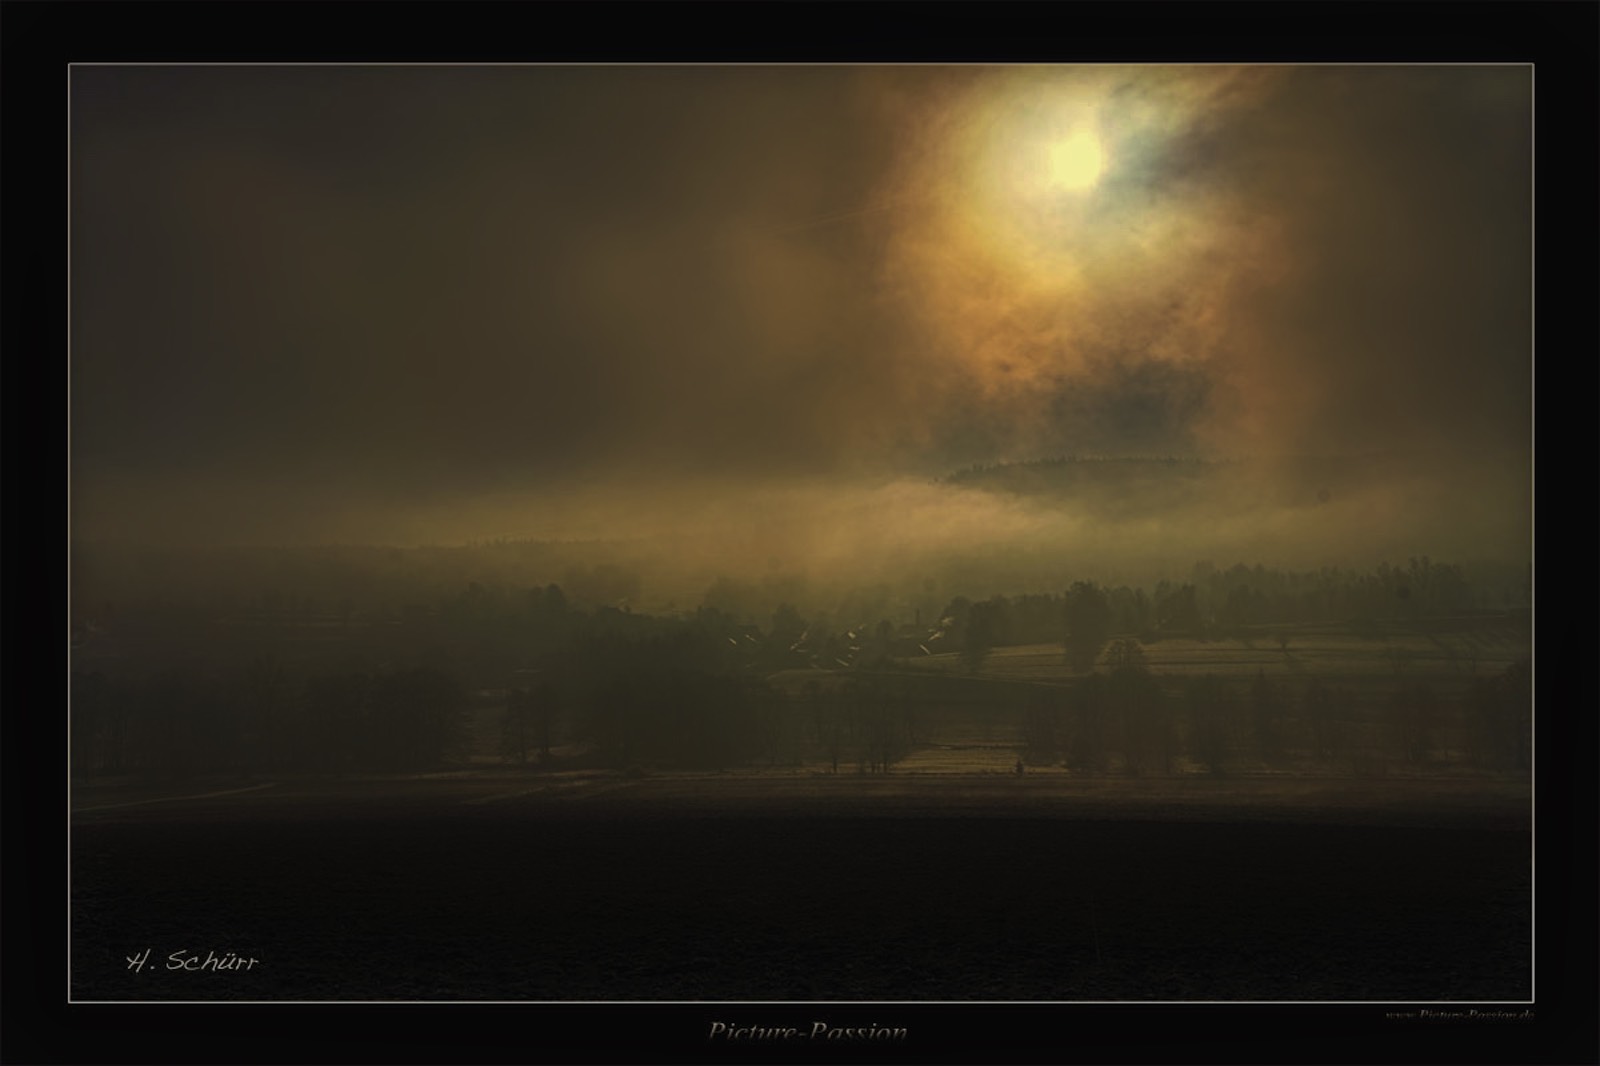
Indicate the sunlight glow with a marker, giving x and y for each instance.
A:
(1077, 162)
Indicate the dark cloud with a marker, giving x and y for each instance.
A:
(1125, 405)
(1404, 318)
(1139, 406)
(487, 275)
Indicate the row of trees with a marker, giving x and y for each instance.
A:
(646, 689)
(1086, 616)
(666, 702)
(1242, 595)
(485, 628)
(1082, 619)
(683, 703)
(1125, 714)
(693, 695)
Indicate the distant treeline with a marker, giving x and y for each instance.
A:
(1126, 718)
(1213, 603)
(1112, 487)
(179, 723)
(632, 687)
(684, 698)
(637, 690)
(284, 682)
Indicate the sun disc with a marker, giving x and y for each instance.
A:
(1076, 162)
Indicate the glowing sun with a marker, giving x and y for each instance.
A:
(1076, 162)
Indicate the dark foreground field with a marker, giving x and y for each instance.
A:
(618, 890)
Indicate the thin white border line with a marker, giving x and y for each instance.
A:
(68, 738)
(811, 1002)
(1533, 778)
(1533, 540)
(821, 64)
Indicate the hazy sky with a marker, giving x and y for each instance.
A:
(393, 303)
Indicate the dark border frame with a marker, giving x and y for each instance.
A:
(41, 38)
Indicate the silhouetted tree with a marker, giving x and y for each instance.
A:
(418, 718)
(881, 738)
(1090, 715)
(879, 651)
(1088, 618)
(515, 726)
(1238, 608)
(1130, 610)
(1041, 726)
(952, 622)
(549, 615)
(668, 698)
(1208, 721)
(1037, 619)
(1140, 708)
(737, 599)
(785, 632)
(1267, 707)
(833, 729)
(542, 707)
(1413, 712)
(979, 637)
(1326, 709)
(1179, 612)
(777, 731)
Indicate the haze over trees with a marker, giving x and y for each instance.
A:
(332, 679)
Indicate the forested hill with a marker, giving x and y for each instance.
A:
(1117, 485)
(1070, 473)
(1131, 486)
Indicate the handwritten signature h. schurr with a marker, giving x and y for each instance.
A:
(183, 959)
